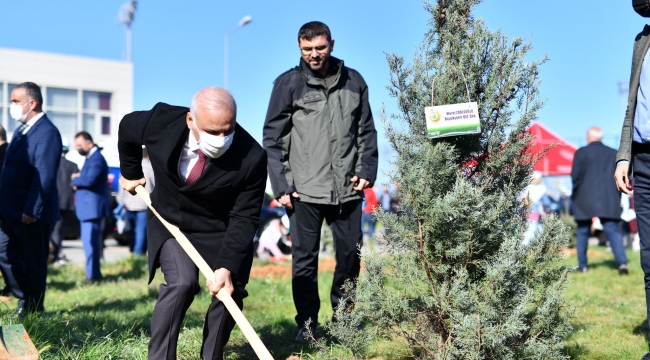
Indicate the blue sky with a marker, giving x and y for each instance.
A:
(178, 48)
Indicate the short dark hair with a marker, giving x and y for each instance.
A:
(32, 90)
(3, 134)
(312, 29)
(85, 135)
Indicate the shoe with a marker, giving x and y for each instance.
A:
(303, 337)
(582, 270)
(623, 270)
(646, 356)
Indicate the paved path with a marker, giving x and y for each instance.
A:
(74, 251)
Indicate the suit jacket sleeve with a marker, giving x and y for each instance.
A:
(625, 147)
(244, 218)
(368, 159)
(277, 138)
(129, 143)
(90, 174)
(47, 157)
(577, 172)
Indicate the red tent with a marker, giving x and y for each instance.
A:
(559, 159)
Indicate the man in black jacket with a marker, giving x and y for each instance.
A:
(210, 178)
(595, 195)
(322, 145)
(66, 202)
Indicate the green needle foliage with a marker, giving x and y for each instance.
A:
(454, 281)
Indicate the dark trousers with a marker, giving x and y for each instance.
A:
(138, 221)
(642, 208)
(611, 229)
(90, 237)
(306, 221)
(57, 233)
(23, 260)
(176, 296)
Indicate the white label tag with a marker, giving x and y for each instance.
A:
(452, 120)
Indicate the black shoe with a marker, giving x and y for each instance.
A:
(646, 356)
(6, 292)
(623, 270)
(303, 335)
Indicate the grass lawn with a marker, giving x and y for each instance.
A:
(610, 320)
(111, 320)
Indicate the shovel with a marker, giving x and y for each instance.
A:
(250, 334)
(15, 344)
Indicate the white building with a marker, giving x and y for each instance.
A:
(78, 94)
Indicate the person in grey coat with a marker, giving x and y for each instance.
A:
(633, 157)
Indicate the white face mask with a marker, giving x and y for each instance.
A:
(16, 112)
(214, 146)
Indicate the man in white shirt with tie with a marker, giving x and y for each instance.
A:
(29, 201)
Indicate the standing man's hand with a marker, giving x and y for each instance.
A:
(75, 175)
(359, 183)
(130, 185)
(285, 200)
(28, 219)
(220, 281)
(622, 181)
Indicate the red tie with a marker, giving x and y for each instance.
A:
(197, 170)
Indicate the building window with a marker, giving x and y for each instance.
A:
(94, 100)
(96, 108)
(62, 109)
(13, 124)
(61, 98)
(106, 125)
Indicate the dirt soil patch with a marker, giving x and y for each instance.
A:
(283, 271)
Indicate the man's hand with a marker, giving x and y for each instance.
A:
(28, 219)
(285, 200)
(359, 183)
(622, 181)
(221, 280)
(75, 175)
(130, 185)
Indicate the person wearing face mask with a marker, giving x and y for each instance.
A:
(91, 201)
(210, 179)
(30, 201)
(633, 157)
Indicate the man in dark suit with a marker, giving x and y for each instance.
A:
(30, 202)
(633, 158)
(3, 146)
(210, 180)
(66, 202)
(91, 186)
(595, 196)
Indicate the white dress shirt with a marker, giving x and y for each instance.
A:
(31, 122)
(189, 156)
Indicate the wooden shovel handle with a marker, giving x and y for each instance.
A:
(255, 341)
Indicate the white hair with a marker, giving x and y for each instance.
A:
(214, 98)
(595, 133)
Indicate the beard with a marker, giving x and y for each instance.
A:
(321, 65)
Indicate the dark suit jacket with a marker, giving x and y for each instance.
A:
(66, 194)
(92, 189)
(641, 44)
(219, 213)
(594, 187)
(3, 150)
(28, 179)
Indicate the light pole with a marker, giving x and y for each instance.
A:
(127, 10)
(243, 22)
